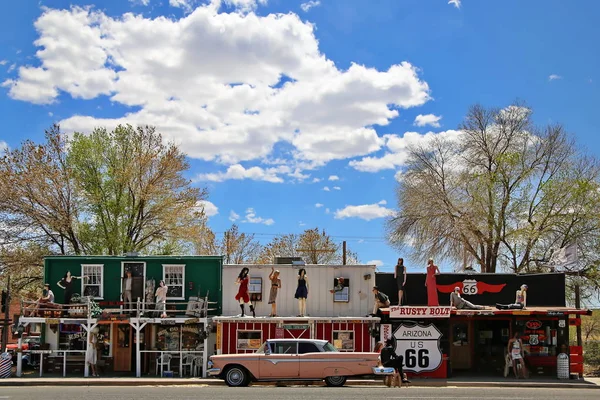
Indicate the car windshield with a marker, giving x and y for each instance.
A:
(329, 347)
(261, 349)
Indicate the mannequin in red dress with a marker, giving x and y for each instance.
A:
(432, 295)
(242, 294)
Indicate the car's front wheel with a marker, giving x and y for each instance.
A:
(236, 377)
(335, 381)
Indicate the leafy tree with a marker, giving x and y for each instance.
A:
(24, 264)
(503, 193)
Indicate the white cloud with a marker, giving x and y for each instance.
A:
(315, 180)
(300, 223)
(377, 263)
(209, 208)
(326, 188)
(253, 219)
(397, 150)
(456, 3)
(140, 2)
(258, 81)
(399, 176)
(243, 5)
(12, 68)
(337, 188)
(382, 202)
(238, 172)
(318, 205)
(327, 211)
(554, 77)
(428, 119)
(334, 178)
(3, 62)
(233, 216)
(3, 146)
(184, 4)
(309, 4)
(50, 114)
(365, 211)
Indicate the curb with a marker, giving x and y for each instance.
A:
(20, 382)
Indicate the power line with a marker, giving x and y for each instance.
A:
(365, 238)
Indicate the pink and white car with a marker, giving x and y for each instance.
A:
(295, 360)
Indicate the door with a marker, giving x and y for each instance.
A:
(281, 361)
(138, 273)
(122, 347)
(460, 345)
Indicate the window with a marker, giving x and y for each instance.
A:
(341, 290)
(305, 347)
(284, 348)
(249, 340)
(343, 340)
(255, 288)
(92, 279)
(174, 277)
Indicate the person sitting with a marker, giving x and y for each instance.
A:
(460, 303)
(381, 300)
(47, 297)
(390, 359)
(520, 301)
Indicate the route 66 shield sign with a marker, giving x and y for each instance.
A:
(420, 346)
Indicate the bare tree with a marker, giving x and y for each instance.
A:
(503, 193)
(237, 247)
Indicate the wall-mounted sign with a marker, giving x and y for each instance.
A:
(561, 323)
(420, 346)
(533, 324)
(289, 327)
(415, 312)
(385, 332)
(471, 286)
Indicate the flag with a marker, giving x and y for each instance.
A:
(565, 255)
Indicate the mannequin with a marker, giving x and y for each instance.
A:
(67, 283)
(302, 291)
(161, 298)
(520, 300)
(430, 282)
(275, 286)
(400, 276)
(242, 294)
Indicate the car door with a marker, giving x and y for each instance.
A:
(279, 361)
(311, 360)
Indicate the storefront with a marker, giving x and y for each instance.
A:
(443, 341)
(237, 335)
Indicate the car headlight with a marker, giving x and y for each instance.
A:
(210, 364)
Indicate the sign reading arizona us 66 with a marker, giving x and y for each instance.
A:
(420, 347)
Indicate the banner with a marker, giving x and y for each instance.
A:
(420, 346)
(422, 312)
(385, 332)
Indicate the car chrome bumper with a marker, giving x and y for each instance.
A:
(214, 371)
(383, 371)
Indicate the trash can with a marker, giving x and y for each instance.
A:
(562, 366)
(5, 365)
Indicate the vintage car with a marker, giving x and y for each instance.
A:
(294, 360)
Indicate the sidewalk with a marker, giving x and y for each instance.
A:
(589, 383)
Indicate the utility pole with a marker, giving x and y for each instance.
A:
(6, 314)
(344, 252)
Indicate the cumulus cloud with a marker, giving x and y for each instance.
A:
(367, 212)
(455, 3)
(209, 208)
(252, 218)
(337, 188)
(233, 216)
(309, 4)
(428, 119)
(3, 62)
(326, 188)
(377, 263)
(238, 172)
(397, 147)
(257, 81)
(334, 178)
(554, 77)
(140, 2)
(318, 205)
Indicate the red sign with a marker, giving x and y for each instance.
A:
(279, 333)
(471, 286)
(533, 324)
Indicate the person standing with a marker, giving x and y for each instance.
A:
(460, 303)
(515, 349)
(430, 282)
(381, 300)
(275, 286)
(242, 295)
(400, 276)
(161, 298)
(302, 291)
(66, 283)
(126, 288)
(91, 353)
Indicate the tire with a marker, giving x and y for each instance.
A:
(335, 381)
(237, 377)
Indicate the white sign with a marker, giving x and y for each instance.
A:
(419, 345)
(469, 286)
(415, 312)
(385, 332)
(561, 323)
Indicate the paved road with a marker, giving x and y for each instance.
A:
(290, 393)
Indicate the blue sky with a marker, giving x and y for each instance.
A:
(296, 114)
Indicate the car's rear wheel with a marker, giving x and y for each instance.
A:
(237, 376)
(335, 381)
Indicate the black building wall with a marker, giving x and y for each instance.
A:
(545, 290)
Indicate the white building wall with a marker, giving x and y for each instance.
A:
(320, 280)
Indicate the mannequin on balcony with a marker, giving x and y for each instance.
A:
(242, 295)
